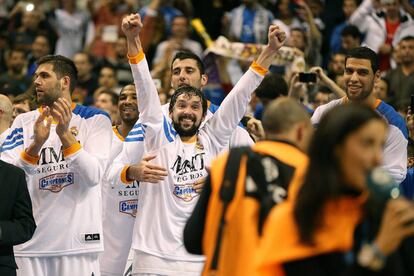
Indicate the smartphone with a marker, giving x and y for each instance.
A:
(307, 77)
(412, 103)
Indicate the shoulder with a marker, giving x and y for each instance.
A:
(87, 112)
(321, 110)
(11, 170)
(393, 117)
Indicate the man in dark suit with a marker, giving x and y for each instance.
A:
(17, 224)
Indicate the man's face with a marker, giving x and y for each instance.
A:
(338, 64)
(128, 105)
(296, 39)
(348, 7)
(104, 102)
(121, 48)
(407, 51)
(82, 64)
(16, 62)
(359, 78)
(179, 27)
(320, 99)
(40, 47)
(186, 73)
(47, 86)
(187, 115)
(20, 108)
(380, 89)
(391, 7)
(349, 43)
(107, 78)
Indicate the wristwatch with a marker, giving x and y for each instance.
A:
(371, 257)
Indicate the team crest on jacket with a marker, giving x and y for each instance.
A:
(56, 182)
(129, 207)
(74, 130)
(184, 192)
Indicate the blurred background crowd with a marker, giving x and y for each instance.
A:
(319, 34)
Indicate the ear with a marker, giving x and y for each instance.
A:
(65, 82)
(204, 80)
(377, 75)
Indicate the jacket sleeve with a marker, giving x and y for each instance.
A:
(90, 160)
(360, 15)
(157, 128)
(12, 150)
(21, 226)
(234, 106)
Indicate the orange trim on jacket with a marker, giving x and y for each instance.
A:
(240, 238)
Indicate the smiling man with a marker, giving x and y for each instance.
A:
(63, 149)
(185, 148)
(119, 200)
(361, 73)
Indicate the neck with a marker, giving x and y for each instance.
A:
(85, 77)
(393, 18)
(368, 101)
(124, 128)
(4, 125)
(189, 139)
(407, 68)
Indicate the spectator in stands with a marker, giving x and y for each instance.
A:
(107, 18)
(107, 79)
(32, 23)
(248, 22)
(74, 26)
(87, 80)
(348, 8)
(163, 7)
(178, 40)
(336, 65)
(401, 79)
(381, 89)
(350, 38)
(41, 47)
(120, 62)
(22, 103)
(383, 29)
(6, 111)
(16, 73)
(322, 96)
(285, 16)
(107, 100)
(308, 41)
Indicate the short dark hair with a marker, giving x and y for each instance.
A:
(364, 53)
(191, 91)
(16, 50)
(112, 94)
(189, 55)
(352, 31)
(407, 38)
(272, 87)
(323, 179)
(62, 66)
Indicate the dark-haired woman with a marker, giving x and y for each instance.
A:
(336, 224)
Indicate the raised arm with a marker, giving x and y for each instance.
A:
(149, 105)
(234, 106)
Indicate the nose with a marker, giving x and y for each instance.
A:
(354, 77)
(377, 158)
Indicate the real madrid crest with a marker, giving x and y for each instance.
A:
(74, 130)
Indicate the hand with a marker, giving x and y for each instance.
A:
(42, 127)
(320, 74)
(385, 49)
(132, 25)
(62, 113)
(396, 225)
(255, 128)
(276, 37)
(147, 172)
(199, 184)
(295, 86)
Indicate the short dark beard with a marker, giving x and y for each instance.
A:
(48, 98)
(185, 132)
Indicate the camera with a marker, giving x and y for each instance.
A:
(307, 77)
